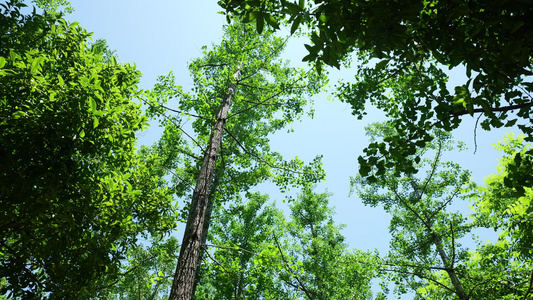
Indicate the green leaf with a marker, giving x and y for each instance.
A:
(93, 105)
(296, 24)
(95, 122)
(36, 64)
(272, 22)
(293, 8)
(260, 23)
(382, 64)
(2, 62)
(319, 66)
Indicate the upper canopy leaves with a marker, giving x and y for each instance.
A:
(491, 40)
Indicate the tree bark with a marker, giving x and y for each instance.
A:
(450, 270)
(186, 270)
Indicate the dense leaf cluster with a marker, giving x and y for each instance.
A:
(403, 46)
(74, 194)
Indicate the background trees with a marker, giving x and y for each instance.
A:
(256, 252)
(429, 247)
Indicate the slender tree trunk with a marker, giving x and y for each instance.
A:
(185, 276)
(207, 222)
(451, 272)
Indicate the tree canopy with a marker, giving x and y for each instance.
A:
(431, 250)
(86, 215)
(74, 193)
(403, 47)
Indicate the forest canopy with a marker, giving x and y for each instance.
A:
(89, 213)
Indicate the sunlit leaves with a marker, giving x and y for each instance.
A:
(74, 194)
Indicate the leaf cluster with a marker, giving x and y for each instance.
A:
(74, 193)
(403, 45)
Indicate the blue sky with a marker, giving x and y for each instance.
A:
(162, 36)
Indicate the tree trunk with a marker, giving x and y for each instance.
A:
(185, 276)
(450, 270)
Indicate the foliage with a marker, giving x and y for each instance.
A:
(502, 207)
(269, 95)
(243, 91)
(403, 46)
(259, 255)
(427, 255)
(54, 6)
(329, 270)
(147, 274)
(240, 260)
(74, 194)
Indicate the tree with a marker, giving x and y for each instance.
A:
(242, 261)
(258, 254)
(327, 269)
(503, 207)
(243, 92)
(74, 194)
(53, 6)
(427, 254)
(403, 45)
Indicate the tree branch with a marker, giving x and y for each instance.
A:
(258, 158)
(126, 273)
(181, 112)
(421, 276)
(496, 109)
(301, 286)
(529, 287)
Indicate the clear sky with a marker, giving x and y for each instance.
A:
(164, 35)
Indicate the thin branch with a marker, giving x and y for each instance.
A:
(239, 249)
(253, 87)
(182, 112)
(218, 263)
(445, 203)
(126, 273)
(262, 103)
(398, 71)
(253, 106)
(415, 266)
(453, 246)
(182, 180)
(529, 287)
(274, 51)
(433, 169)
(523, 90)
(496, 109)
(301, 286)
(421, 276)
(475, 134)
(478, 285)
(258, 158)
(406, 205)
(213, 65)
(179, 127)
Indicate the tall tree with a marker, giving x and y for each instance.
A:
(243, 91)
(74, 194)
(403, 46)
(427, 255)
(328, 270)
